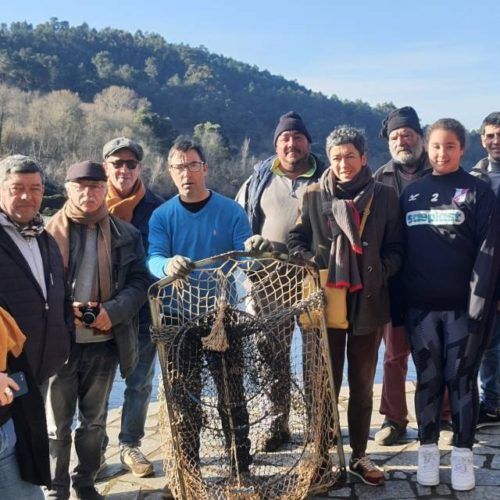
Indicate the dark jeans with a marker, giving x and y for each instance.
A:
(362, 355)
(85, 379)
(138, 389)
(184, 365)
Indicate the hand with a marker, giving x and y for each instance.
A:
(102, 321)
(78, 314)
(179, 266)
(6, 386)
(257, 243)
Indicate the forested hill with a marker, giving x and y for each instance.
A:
(182, 86)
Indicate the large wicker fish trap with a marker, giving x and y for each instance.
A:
(238, 371)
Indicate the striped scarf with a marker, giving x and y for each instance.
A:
(342, 204)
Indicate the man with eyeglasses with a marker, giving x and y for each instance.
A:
(196, 224)
(129, 200)
(488, 169)
(104, 266)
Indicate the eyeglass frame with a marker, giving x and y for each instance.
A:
(119, 163)
(187, 166)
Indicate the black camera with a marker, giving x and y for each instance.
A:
(89, 314)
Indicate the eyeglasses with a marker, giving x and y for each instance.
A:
(194, 166)
(130, 164)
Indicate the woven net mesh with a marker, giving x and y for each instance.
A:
(248, 404)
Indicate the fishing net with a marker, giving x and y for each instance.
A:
(249, 409)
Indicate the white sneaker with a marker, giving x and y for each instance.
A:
(428, 465)
(462, 469)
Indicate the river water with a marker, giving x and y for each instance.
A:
(116, 398)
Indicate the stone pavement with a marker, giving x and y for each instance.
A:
(399, 463)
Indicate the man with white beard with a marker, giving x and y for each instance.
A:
(408, 163)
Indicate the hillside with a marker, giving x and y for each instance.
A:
(182, 86)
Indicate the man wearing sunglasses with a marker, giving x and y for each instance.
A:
(129, 200)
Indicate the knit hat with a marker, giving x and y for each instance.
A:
(291, 121)
(118, 143)
(86, 170)
(399, 118)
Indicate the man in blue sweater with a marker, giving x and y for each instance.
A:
(196, 224)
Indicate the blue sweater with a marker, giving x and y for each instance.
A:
(220, 226)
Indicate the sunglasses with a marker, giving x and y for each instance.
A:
(130, 164)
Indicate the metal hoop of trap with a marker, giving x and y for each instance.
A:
(235, 360)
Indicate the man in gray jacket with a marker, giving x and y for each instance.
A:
(488, 169)
(104, 266)
(271, 197)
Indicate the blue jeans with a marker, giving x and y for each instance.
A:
(85, 379)
(138, 389)
(12, 487)
(489, 372)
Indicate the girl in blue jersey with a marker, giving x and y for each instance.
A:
(446, 218)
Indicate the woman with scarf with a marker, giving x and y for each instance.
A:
(327, 233)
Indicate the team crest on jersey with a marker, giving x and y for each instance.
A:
(413, 197)
(460, 195)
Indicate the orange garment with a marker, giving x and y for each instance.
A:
(11, 338)
(123, 208)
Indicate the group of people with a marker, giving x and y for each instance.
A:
(421, 275)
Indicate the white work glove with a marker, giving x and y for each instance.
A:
(257, 243)
(179, 266)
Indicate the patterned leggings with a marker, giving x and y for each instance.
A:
(445, 353)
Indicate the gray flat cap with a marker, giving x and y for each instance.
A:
(118, 143)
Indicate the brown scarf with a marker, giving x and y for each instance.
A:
(123, 208)
(343, 202)
(59, 228)
(11, 338)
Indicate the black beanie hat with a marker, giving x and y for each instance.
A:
(399, 118)
(291, 121)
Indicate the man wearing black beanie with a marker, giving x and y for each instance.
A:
(408, 163)
(271, 198)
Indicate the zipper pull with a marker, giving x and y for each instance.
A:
(46, 306)
(51, 279)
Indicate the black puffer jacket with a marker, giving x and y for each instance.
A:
(47, 324)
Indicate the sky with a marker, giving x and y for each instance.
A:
(441, 57)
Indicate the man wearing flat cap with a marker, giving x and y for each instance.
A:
(104, 266)
(408, 163)
(271, 197)
(129, 200)
(32, 290)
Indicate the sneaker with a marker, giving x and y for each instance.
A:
(389, 433)
(462, 469)
(367, 471)
(134, 460)
(487, 418)
(446, 433)
(275, 440)
(428, 465)
(87, 493)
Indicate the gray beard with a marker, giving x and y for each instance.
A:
(408, 158)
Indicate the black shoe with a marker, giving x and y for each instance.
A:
(87, 493)
(487, 418)
(275, 440)
(390, 433)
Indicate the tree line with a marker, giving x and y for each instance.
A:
(65, 90)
